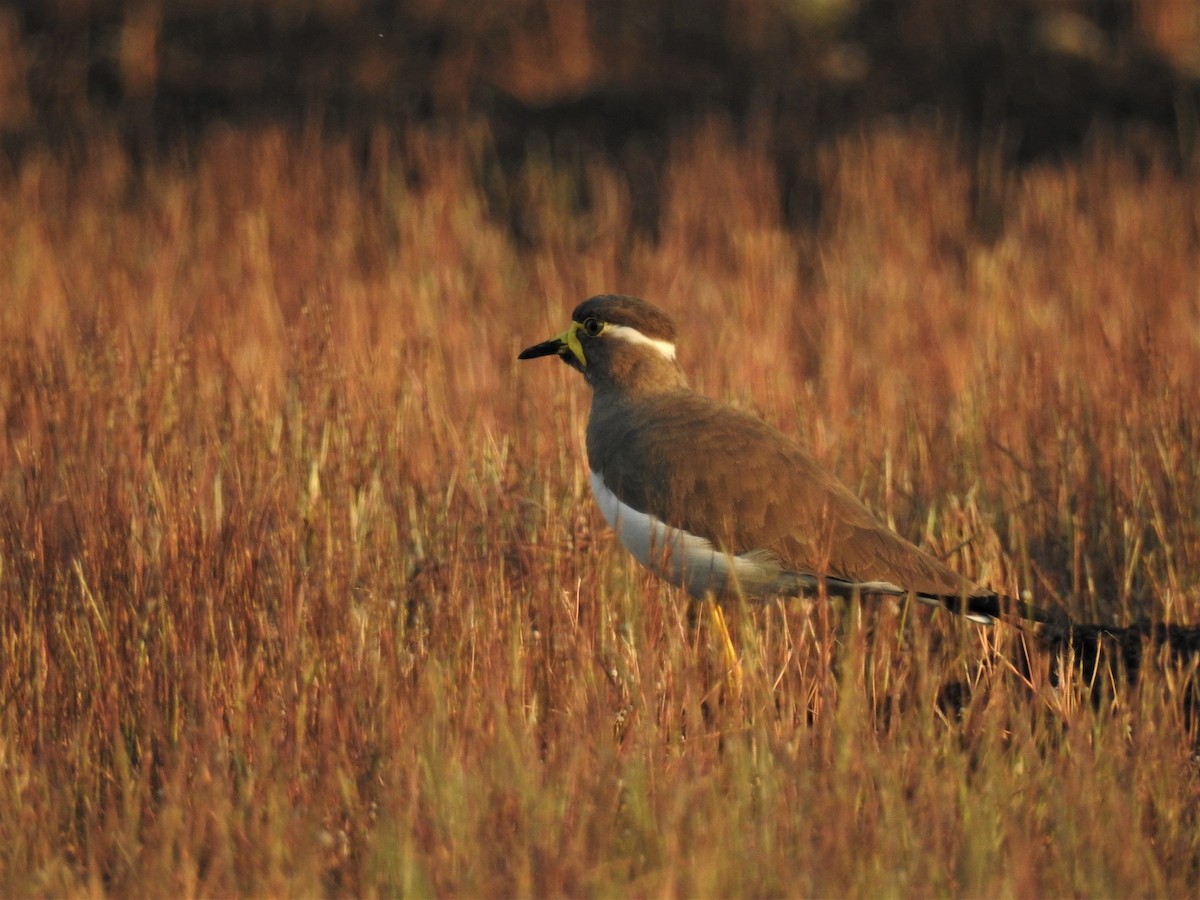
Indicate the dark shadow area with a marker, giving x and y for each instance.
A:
(1016, 80)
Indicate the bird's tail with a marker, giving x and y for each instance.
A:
(987, 608)
(982, 608)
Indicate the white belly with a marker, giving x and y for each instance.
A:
(690, 561)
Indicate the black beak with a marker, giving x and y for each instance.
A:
(552, 347)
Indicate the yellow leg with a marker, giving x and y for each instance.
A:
(734, 673)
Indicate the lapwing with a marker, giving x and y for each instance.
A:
(713, 499)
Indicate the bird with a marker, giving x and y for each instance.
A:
(715, 500)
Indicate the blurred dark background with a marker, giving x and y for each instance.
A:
(1017, 80)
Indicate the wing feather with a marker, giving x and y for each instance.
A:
(748, 488)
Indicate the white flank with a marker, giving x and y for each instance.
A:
(677, 556)
(977, 618)
(628, 333)
(693, 563)
(879, 587)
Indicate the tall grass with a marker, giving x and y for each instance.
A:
(303, 591)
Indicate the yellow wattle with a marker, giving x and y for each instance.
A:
(571, 338)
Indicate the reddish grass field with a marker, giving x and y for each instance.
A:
(302, 590)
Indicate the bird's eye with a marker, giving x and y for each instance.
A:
(592, 326)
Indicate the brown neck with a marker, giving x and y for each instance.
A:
(634, 372)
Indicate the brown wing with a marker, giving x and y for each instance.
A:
(745, 486)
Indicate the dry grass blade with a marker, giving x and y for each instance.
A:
(301, 591)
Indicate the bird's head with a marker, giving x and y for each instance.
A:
(617, 341)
